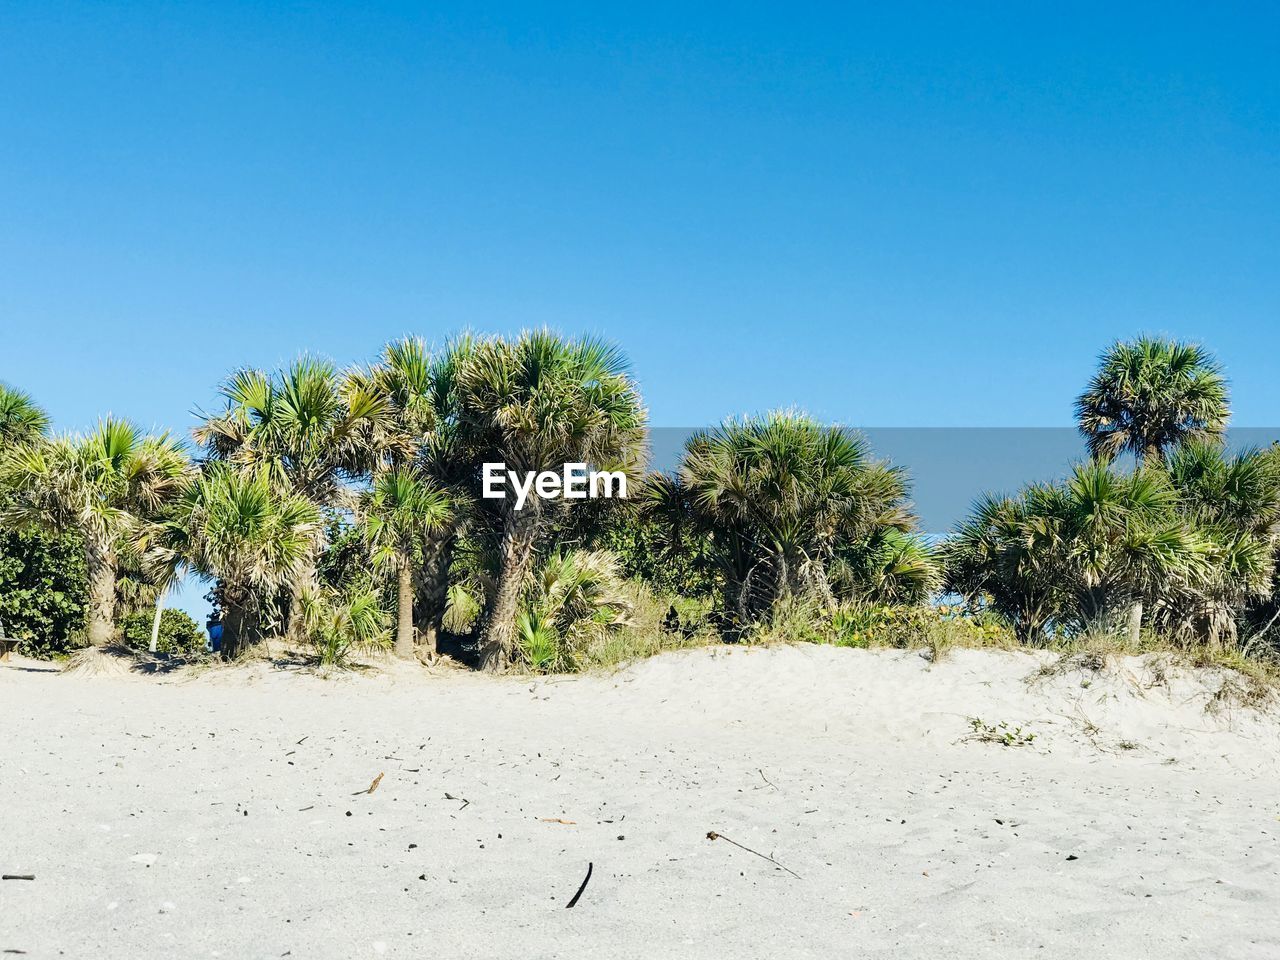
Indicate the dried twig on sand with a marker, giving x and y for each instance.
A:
(567, 823)
(372, 787)
(712, 835)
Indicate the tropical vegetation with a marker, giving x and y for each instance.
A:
(1149, 396)
(341, 510)
(106, 487)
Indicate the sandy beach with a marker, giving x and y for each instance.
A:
(220, 814)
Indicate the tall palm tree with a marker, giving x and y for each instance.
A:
(402, 513)
(781, 497)
(239, 527)
(21, 420)
(310, 429)
(425, 433)
(536, 403)
(1151, 394)
(105, 486)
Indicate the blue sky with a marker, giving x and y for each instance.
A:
(899, 215)
(889, 215)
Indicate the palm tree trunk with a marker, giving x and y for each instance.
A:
(782, 586)
(100, 617)
(296, 628)
(236, 625)
(499, 637)
(1135, 623)
(435, 594)
(404, 613)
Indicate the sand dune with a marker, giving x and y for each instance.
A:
(217, 814)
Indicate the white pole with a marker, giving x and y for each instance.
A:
(155, 623)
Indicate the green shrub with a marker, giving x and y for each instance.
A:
(42, 591)
(656, 623)
(575, 599)
(342, 622)
(667, 561)
(882, 625)
(1001, 733)
(179, 633)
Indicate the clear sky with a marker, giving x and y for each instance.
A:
(889, 215)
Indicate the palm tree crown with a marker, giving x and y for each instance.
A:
(21, 420)
(783, 498)
(307, 425)
(1151, 394)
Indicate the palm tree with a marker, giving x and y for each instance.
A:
(426, 433)
(1151, 394)
(403, 512)
(1102, 544)
(104, 486)
(781, 498)
(536, 403)
(1126, 541)
(1008, 554)
(310, 429)
(21, 421)
(239, 527)
(1234, 503)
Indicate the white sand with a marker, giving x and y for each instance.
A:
(182, 817)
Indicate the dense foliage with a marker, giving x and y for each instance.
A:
(108, 487)
(179, 634)
(789, 507)
(42, 590)
(343, 509)
(1184, 544)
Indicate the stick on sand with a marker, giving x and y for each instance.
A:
(712, 835)
(590, 866)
